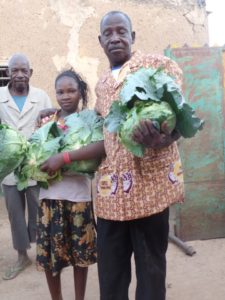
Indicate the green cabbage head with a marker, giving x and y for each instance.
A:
(158, 112)
(83, 128)
(13, 147)
(44, 143)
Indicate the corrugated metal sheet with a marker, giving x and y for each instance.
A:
(203, 214)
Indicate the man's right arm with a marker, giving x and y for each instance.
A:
(46, 109)
(149, 136)
(47, 112)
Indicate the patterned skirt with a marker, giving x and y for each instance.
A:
(65, 235)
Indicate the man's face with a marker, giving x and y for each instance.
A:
(20, 74)
(116, 38)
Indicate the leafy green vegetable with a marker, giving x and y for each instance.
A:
(116, 116)
(44, 143)
(47, 132)
(151, 87)
(138, 86)
(13, 147)
(157, 112)
(83, 128)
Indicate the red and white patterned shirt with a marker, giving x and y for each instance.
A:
(129, 187)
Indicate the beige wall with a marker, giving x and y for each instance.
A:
(55, 34)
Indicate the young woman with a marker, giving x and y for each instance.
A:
(66, 233)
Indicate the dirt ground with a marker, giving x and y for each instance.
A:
(200, 277)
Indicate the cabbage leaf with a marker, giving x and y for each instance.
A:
(13, 148)
(151, 87)
(83, 128)
(44, 143)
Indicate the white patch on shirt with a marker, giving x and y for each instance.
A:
(115, 73)
(127, 181)
(108, 185)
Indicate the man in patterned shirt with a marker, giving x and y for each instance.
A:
(133, 194)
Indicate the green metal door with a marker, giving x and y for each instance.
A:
(202, 216)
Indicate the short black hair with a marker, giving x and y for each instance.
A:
(82, 85)
(115, 12)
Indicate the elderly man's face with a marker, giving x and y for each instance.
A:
(116, 38)
(20, 73)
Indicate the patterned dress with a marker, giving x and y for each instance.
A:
(65, 230)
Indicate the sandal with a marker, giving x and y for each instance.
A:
(13, 271)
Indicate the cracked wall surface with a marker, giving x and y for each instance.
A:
(57, 34)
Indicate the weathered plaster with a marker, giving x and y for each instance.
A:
(57, 34)
(74, 13)
(196, 17)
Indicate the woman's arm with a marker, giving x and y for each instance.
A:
(92, 151)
